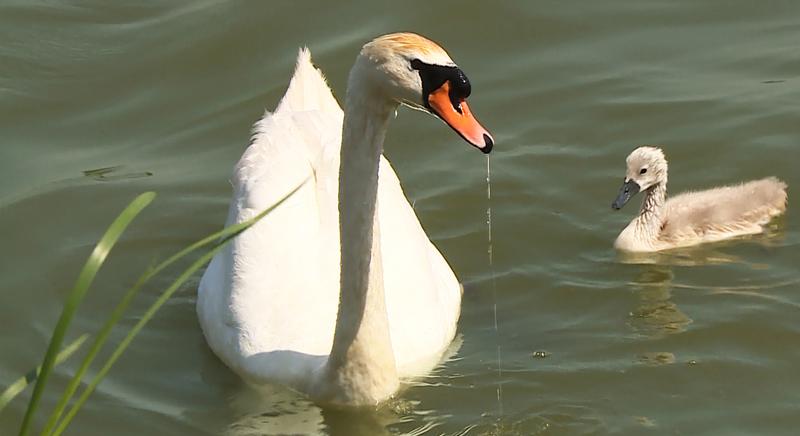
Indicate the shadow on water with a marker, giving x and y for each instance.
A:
(110, 174)
(116, 173)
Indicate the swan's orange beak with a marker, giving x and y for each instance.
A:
(458, 116)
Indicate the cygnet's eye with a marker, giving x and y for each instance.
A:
(643, 170)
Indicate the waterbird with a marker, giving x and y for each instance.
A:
(338, 292)
(692, 217)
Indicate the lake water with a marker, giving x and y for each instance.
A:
(700, 341)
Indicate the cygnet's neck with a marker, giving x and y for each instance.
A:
(648, 225)
(361, 367)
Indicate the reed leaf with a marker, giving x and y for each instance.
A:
(21, 383)
(82, 284)
(219, 240)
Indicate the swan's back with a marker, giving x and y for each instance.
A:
(725, 211)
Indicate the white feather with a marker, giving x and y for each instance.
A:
(268, 303)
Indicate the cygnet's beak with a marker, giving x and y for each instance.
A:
(458, 116)
(629, 189)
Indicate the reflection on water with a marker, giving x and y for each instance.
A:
(708, 254)
(656, 314)
(275, 410)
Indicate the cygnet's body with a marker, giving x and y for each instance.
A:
(693, 217)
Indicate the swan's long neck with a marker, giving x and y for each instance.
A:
(361, 367)
(651, 216)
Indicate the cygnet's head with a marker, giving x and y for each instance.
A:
(415, 71)
(646, 167)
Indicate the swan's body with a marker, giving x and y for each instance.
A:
(270, 305)
(693, 217)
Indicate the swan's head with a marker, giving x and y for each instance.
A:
(412, 70)
(647, 167)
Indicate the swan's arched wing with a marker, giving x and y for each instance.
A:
(270, 290)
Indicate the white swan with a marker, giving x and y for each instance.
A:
(692, 217)
(268, 305)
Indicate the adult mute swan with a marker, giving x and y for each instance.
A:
(338, 293)
(692, 217)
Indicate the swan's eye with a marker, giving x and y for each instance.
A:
(461, 87)
(643, 170)
(434, 77)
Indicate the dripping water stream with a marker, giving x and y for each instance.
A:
(494, 284)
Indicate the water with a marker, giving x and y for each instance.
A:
(162, 95)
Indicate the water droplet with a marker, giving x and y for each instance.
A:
(540, 354)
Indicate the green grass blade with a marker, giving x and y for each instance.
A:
(220, 239)
(119, 310)
(97, 344)
(85, 279)
(127, 340)
(21, 383)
